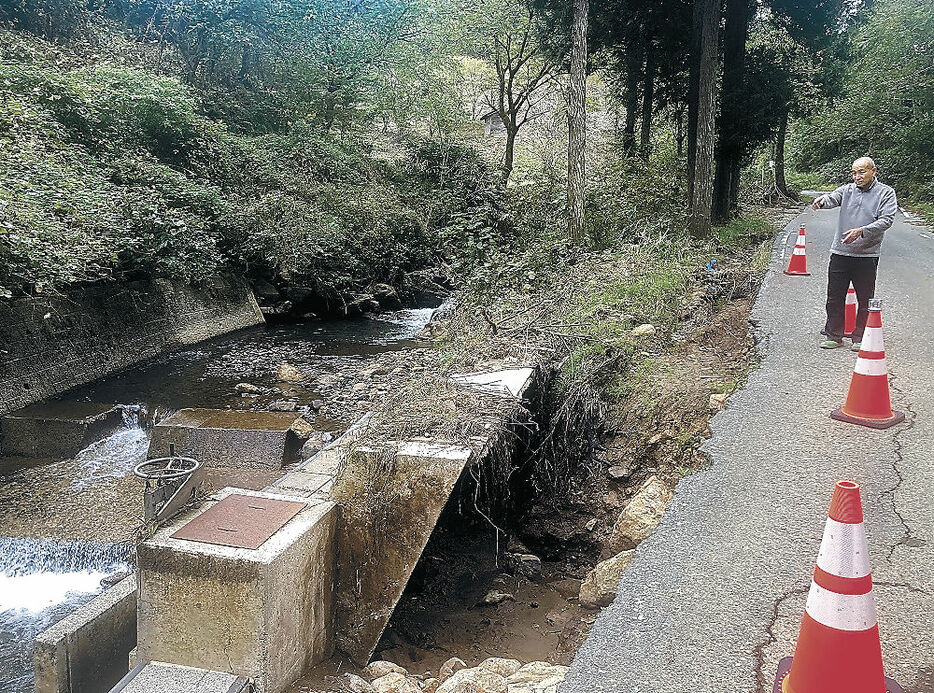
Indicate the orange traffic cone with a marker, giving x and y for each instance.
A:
(798, 264)
(838, 648)
(867, 402)
(850, 312)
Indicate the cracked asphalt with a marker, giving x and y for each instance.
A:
(714, 598)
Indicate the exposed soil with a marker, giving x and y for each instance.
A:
(656, 428)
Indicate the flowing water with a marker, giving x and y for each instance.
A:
(41, 582)
(67, 524)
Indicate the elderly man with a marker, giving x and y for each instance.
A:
(867, 209)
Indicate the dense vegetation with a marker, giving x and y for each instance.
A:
(334, 144)
(115, 167)
(886, 109)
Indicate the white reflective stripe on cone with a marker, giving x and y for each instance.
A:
(799, 251)
(870, 367)
(850, 299)
(841, 611)
(872, 339)
(844, 551)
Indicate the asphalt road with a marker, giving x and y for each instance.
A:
(714, 598)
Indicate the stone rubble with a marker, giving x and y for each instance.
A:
(492, 675)
(641, 515)
(599, 587)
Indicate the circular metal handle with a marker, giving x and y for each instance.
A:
(162, 468)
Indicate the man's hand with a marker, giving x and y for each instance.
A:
(852, 235)
(818, 202)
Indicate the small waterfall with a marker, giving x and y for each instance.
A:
(41, 582)
(117, 454)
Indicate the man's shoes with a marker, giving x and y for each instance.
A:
(831, 344)
(855, 346)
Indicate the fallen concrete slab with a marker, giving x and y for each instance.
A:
(511, 382)
(57, 430)
(264, 613)
(226, 438)
(87, 650)
(390, 502)
(159, 677)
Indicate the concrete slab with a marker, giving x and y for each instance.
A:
(227, 438)
(57, 430)
(315, 477)
(88, 649)
(266, 613)
(512, 382)
(403, 487)
(159, 677)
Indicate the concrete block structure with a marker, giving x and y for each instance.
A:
(263, 613)
(226, 438)
(159, 677)
(57, 430)
(87, 650)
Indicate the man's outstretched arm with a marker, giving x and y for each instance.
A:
(830, 200)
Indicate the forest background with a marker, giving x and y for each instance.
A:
(337, 143)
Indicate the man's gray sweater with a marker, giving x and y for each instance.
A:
(873, 210)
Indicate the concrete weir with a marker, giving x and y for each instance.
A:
(315, 562)
(390, 498)
(88, 650)
(265, 613)
(57, 429)
(226, 438)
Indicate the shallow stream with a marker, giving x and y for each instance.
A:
(66, 525)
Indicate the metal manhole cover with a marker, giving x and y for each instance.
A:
(241, 521)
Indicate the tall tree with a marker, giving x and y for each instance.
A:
(707, 28)
(648, 98)
(730, 144)
(577, 122)
(522, 68)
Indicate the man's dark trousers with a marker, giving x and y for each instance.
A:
(843, 270)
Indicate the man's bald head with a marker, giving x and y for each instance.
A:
(864, 172)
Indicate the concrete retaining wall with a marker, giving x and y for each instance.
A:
(48, 345)
(87, 651)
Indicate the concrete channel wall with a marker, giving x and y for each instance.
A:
(87, 651)
(51, 344)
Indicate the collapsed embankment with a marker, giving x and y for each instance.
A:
(641, 347)
(50, 344)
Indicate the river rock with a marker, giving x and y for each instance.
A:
(315, 443)
(387, 296)
(351, 683)
(248, 388)
(718, 401)
(646, 330)
(290, 374)
(381, 667)
(497, 597)
(474, 681)
(499, 665)
(599, 587)
(641, 515)
(450, 667)
(619, 472)
(536, 677)
(283, 405)
(430, 685)
(394, 682)
(526, 564)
